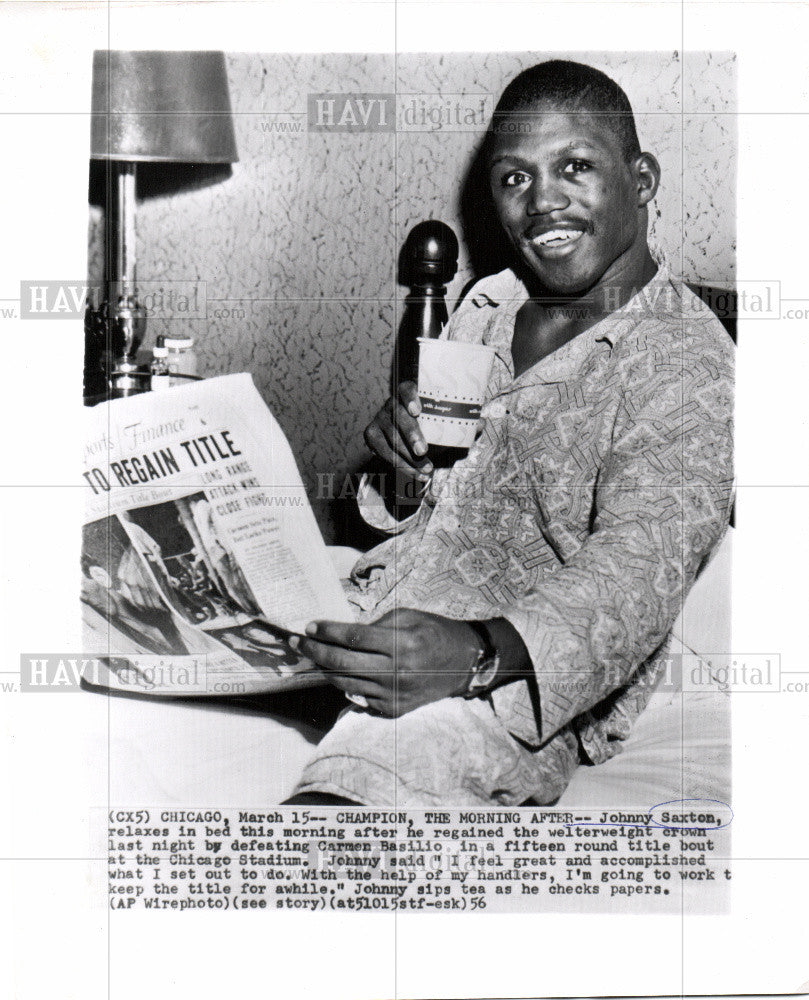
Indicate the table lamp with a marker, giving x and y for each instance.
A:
(147, 107)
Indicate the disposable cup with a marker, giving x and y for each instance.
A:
(453, 376)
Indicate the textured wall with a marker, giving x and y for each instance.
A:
(298, 245)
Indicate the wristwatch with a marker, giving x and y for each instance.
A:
(487, 664)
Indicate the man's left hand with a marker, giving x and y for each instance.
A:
(404, 660)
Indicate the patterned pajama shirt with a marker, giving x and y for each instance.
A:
(597, 488)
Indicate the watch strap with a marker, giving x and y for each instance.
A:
(484, 671)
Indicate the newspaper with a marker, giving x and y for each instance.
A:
(201, 556)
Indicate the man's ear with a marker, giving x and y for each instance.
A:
(647, 174)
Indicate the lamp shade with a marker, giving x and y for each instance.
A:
(161, 107)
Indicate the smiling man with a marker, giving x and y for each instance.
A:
(515, 624)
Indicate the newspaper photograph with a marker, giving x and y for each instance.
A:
(533, 609)
(403, 515)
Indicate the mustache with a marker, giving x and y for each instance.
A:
(539, 228)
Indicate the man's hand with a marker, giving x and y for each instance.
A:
(403, 661)
(394, 434)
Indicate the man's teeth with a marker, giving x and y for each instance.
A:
(556, 236)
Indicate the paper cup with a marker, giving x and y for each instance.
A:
(452, 384)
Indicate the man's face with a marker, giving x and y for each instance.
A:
(566, 197)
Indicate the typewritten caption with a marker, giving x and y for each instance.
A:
(360, 859)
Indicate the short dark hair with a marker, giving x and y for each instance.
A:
(573, 87)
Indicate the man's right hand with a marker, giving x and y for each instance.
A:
(394, 434)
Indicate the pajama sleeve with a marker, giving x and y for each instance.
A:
(661, 505)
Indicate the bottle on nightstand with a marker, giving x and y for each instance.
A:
(159, 367)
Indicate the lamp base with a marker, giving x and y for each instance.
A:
(112, 337)
(128, 378)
